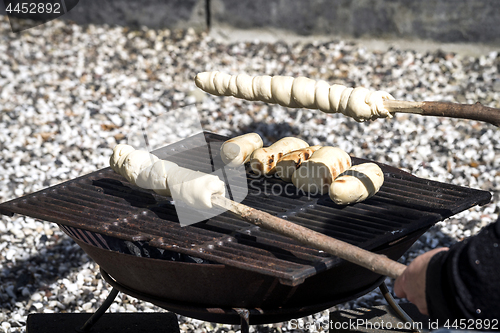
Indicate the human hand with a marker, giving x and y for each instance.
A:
(411, 284)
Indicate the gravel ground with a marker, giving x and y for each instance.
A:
(69, 93)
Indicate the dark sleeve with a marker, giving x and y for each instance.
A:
(464, 282)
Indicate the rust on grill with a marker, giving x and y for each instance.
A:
(105, 203)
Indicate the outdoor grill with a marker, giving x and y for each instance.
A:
(223, 268)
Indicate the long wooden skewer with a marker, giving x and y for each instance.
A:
(377, 263)
(442, 109)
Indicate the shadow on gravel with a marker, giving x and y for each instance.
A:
(55, 259)
(271, 132)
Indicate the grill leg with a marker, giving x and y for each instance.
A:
(98, 314)
(395, 306)
(244, 320)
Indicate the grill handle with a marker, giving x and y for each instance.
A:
(377, 263)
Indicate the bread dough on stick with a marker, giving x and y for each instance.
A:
(135, 162)
(164, 177)
(193, 187)
(359, 103)
(154, 177)
(120, 152)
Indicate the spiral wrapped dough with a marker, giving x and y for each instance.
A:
(358, 103)
(145, 170)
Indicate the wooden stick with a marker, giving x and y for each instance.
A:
(377, 263)
(442, 109)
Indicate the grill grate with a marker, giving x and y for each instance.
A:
(105, 203)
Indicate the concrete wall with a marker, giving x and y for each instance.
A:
(438, 20)
(150, 13)
(136, 13)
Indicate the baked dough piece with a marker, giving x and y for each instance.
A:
(356, 184)
(290, 162)
(263, 160)
(237, 151)
(166, 178)
(358, 103)
(317, 173)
